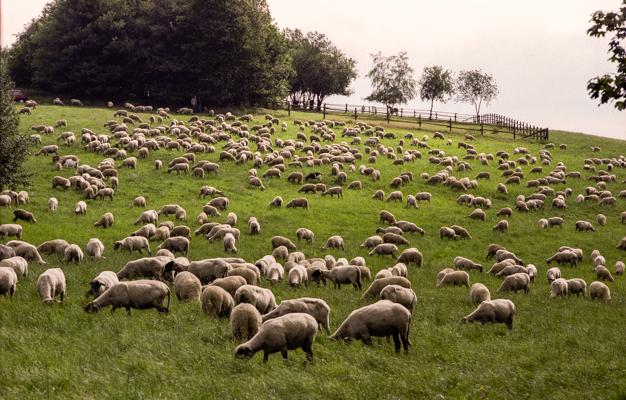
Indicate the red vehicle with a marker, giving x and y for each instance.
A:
(18, 95)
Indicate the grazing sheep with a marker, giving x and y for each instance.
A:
(297, 276)
(553, 274)
(95, 248)
(216, 301)
(53, 204)
(230, 283)
(502, 226)
(400, 295)
(141, 295)
(102, 282)
(288, 332)
(378, 195)
(385, 249)
(298, 203)
(621, 245)
(603, 273)
(584, 226)
(373, 291)
(576, 286)
(50, 284)
(28, 252)
(282, 241)
(147, 217)
(105, 221)
(305, 234)
(503, 212)
(503, 254)
(555, 221)
(139, 201)
(262, 299)
(493, 311)
(563, 257)
(601, 219)
(334, 242)
(466, 264)
(479, 293)
(558, 287)
(178, 244)
(411, 255)
(245, 321)
(317, 308)
(619, 268)
(344, 275)
(187, 286)
(515, 282)
(383, 318)
(447, 232)
(543, 223)
(19, 214)
(387, 217)
(229, 243)
(478, 214)
(72, 254)
(599, 290)
(17, 264)
(80, 208)
(454, 278)
(7, 230)
(8, 281)
(132, 243)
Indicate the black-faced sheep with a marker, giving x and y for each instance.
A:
(102, 282)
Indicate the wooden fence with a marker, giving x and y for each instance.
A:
(446, 120)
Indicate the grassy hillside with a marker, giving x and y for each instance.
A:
(563, 348)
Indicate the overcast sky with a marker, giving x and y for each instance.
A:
(537, 50)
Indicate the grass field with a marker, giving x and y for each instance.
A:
(564, 348)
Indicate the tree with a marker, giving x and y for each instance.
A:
(320, 69)
(610, 87)
(392, 80)
(13, 145)
(476, 87)
(436, 84)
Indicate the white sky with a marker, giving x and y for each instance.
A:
(537, 50)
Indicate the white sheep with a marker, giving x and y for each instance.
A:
(8, 281)
(493, 311)
(133, 243)
(317, 308)
(558, 287)
(599, 290)
(95, 248)
(102, 282)
(400, 295)
(245, 321)
(53, 204)
(479, 293)
(187, 286)
(141, 294)
(50, 284)
(216, 301)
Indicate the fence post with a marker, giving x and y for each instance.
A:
(289, 109)
(388, 115)
(346, 108)
(401, 110)
(413, 113)
(419, 121)
(436, 116)
(324, 111)
(355, 114)
(482, 129)
(450, 124)
(454, 117)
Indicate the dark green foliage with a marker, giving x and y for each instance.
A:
(392, 79)
(611, 87)
(476, 87)
(225, 52)
(320, 68)
(436, 84)
(14, 146)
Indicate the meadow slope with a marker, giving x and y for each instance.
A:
(558, 349)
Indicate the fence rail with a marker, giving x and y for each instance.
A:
(448, 120)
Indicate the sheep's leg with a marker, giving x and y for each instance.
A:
(265, 356)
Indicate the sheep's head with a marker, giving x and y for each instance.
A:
(244, 352)
(117, 245)
(92, 308)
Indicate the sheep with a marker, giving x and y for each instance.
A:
(502, 226)
(576, 286)
(150, 231)
(466, 264)
(386, 217)
(180, 230)
(622, 244)
(584, 226)
(562, 257)
(493, 311)
(206, 270)
(297, 276)
(603, 274)
(379, 195)
(503, 212)
(478, 214)
(479, 293)
(8, 281)
(139, 201)
(411, 255)
(555, 221)
(447, 232)
(102, 282)
(80, 208)
(553, 274)
(230, 283)
(50, 284)
(515, 282)
(385, 249)
(399, 269)
(28, 252)
(299, 203)
(601, 219)
(383, 318)
(53, 204)
(262, 299)
(305, 234)
(24, 215)
(334, 242)
(288, 332)
(229, 243)
(150, 267)
(6, 252)
(454, 278)
(317, 308)
(245, 321)
(400, 295)
(282, 241)
(55, 246)
(599, 290)
(178, 244)
(105, 221)
(95, 248)
(409, 227)
(531, 270)
(72, 254)
(423, 196)
(558, 287)
(542, 223)
(334, 191)
(141, 294)
(17, 264)
(373, 291)
(216, 301)
(147, 217)
(504, 254)
(133, 243)
(619, 268)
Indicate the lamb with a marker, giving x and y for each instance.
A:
(411, 255)
(288, 332)
(584, 226)
(385, 249)
(603, 274)
(133, 243)
(479, 293)
(141, 295)
(379, 284)
(317, 308)
(177, 244)
(454, 278)
(466, 264)
(344, 275)
(102, 282)
(387, 217)
(493, 311)
(299, 203)
(53, 204)
(400, 295)
(558, 287)
(515, 282)
(383, 318)
(282, 241)
(73, 254)
(245, 321)
(8, 281)
(50, 284)
(576, 286)
(80, 208)
(19, 214)
(305, 234)
(105, 221)
(599, 290)
(216, 301)
(334, 242)
(297, 276)
(262, 299)
(502, 226)
(17, 264)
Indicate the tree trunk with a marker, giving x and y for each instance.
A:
(432, 101)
